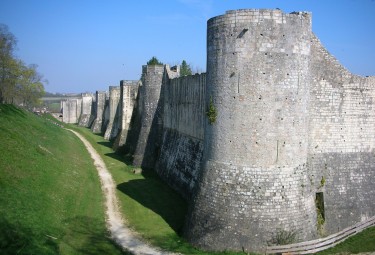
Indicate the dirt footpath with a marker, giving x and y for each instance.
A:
(122, 235)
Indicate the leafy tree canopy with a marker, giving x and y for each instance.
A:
(19, 84)
(185, 69)
(154, 61)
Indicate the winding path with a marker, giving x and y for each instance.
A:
(120, 233)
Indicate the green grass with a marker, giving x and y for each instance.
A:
(362, 242)
(157, 212)
(51, 201)
(150, 206)
(50, 189)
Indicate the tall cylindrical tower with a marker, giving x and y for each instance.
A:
(254, 180)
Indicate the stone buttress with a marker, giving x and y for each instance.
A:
(113, 103)
(149, 103)
(128, 96)
(97, 125)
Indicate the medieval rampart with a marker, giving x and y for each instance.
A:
(291, 147)
(183, 133)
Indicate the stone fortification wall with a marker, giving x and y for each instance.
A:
(255, 152)
(128, 96)
(342, 141)
(149, 136)
(292, 146)
(87, 110)
(183, 132)
(69, 110)
(97, 125)
(113, 109)
(106, 112)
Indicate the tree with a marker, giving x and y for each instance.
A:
(185, 69)
(154, 61)
(8, 64)
(19, 84)
(30, 86)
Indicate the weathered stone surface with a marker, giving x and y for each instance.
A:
(183, 122)
(128, 96)
(71, 109)
(87, 110)
(255, 153)
(114, 99)
(97, 126)
(292, 126)
(148, 144)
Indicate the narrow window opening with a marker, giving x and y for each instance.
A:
(320, 214)
(242, 32)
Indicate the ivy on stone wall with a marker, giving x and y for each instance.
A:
(211, 112)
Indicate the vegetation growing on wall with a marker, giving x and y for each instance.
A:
(211, 112)
(322, 181)
(320, 214)
(282, 237)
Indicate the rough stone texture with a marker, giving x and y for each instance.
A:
(149, 138)
(254, 165)
(292, 125)
(97, 126)
(182, 142)
(71, 110)
(106, 112)
(342, 140)
(128, 96)
(87, 110)
(114, 99)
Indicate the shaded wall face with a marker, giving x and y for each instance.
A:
(97, 126)
(148, 144)
(254, 178)
(183, 126)
(342, 141)
(113, 103)
(129, 90)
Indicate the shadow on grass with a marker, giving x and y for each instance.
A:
(83, 235)
(152, 193)
(16, 239)
(87, 236)
(11, 110)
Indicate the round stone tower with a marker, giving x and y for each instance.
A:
(254, 181)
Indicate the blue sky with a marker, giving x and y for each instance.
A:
(88, 45)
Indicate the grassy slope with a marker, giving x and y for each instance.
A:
(50, 201)
(43, 194)
(152, 208)
(156, 212)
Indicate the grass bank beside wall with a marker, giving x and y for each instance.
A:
(157, 212)
(50, 196)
